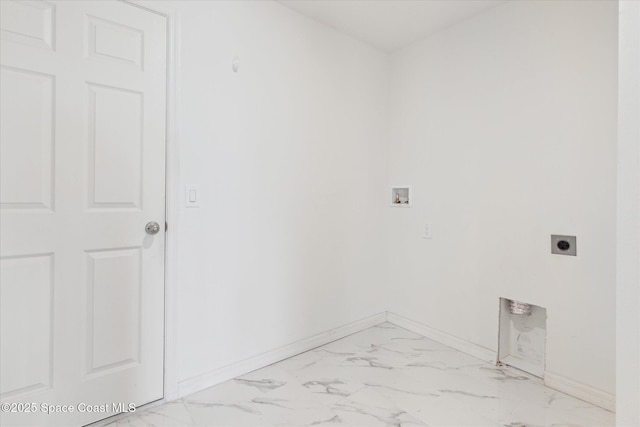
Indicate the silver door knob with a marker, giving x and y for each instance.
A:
(152, 228)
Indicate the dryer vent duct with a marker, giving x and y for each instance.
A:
(519, 308)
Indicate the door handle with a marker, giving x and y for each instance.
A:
(152, 228)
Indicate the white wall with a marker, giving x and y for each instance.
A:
(505, 125)
(628, 315)
(289, 154)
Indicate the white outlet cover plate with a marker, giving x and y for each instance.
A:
(567, 240)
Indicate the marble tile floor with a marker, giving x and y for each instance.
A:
(382, 376)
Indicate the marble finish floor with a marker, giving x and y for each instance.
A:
(382, 376)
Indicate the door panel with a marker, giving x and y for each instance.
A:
(111, 41)
(26, 298)
(28, 22)
(113, 281)
(82, 171)
(115, 158)
(27, 132)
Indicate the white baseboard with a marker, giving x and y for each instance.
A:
(573, 388)
(581, 391)
(551, 380)
(523, 365)
(464, 346)
(225, 373)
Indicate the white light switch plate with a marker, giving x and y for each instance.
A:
(427, 232)
(191, 196)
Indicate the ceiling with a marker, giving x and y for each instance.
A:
(389, 24)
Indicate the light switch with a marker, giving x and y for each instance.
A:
(191, 196)
(427, 232)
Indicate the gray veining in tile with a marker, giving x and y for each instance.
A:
(329, 387)
(262, 385)
(383, 376)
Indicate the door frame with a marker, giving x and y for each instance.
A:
(628, 218)
(172, 165)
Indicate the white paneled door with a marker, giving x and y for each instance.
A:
(83, 92)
